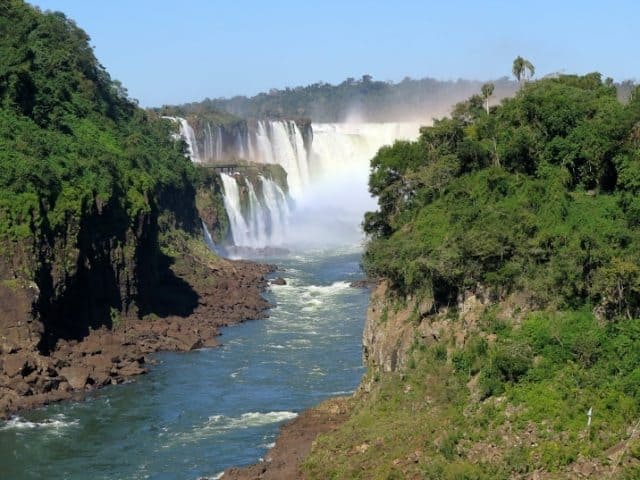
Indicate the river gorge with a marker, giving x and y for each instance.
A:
(198, 413)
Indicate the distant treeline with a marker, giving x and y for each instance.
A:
(363, 99)
(356, 99)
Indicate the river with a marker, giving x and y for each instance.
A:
(197, 413)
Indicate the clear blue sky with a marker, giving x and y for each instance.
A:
(173, 51)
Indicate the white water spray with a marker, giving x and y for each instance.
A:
(262, 219)
(327, 179)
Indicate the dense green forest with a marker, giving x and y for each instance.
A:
(71, 140)
(534, 206)
(541, 194)
(90, 184)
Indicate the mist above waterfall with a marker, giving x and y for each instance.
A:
(331, 210)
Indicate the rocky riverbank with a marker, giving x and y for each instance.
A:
(294, 443)
(226, 292)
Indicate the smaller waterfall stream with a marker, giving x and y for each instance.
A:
(189, 136)
(277, 205)
(258, 214)
(239, 228)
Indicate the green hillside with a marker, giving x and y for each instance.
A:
(509, 243)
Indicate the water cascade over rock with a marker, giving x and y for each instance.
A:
(189, 136)
(327, 168)
(258, 214)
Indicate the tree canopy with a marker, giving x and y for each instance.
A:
(70, 139)
(540, 195)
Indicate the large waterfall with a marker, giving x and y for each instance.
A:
(327, 169)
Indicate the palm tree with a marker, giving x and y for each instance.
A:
(520, 68)
(487, 91)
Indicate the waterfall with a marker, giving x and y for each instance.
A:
(277, 205)
(327, 178)
(261, 219)
(239, 228)
(333, 203)
(209, 146)
(264, 152)
(256, 220)
(287, 149)
(218, 155)
(189, 136)
(212, 144)
(239, 147)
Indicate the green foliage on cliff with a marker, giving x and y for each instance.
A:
(498, 410)
(533, 208)
(538, 195)
(71, 142)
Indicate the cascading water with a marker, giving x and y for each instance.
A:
(257, 222)
(277, 205)
(239, 228)
(189, 136)
(286, 147)
(327, 174)
(278, 142)
(331, 210)
(262, 218)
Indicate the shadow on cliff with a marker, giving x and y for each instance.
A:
(165, 294)
(108, 284)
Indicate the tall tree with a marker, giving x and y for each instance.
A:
(522, 69)
(487, 90)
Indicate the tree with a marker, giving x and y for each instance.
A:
(487, 90)
(520, 68)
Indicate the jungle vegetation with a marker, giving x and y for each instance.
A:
(533, 204)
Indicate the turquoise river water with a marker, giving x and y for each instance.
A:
(197, 413)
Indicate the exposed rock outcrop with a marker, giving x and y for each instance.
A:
(294, 443)
(227, 292)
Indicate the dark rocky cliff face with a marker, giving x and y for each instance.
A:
(62, 285)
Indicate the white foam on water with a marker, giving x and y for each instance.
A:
(221, 423)
(335, 287)
(248, 420)
(56, 423)
(216, 476)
